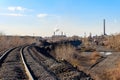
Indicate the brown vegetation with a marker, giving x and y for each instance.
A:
(77, 59)
(64, 51)
(103, 71)
(94, 57)
(106, 68)
(14, 41)
(113, 42)
(110, 74)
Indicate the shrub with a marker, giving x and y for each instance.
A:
(94, 57)
(113, 42)
(64, 51)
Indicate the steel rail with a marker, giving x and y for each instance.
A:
(5, 54)
(25, 65)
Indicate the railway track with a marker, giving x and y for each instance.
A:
(38, 71)
(11, 66)
(34, 63)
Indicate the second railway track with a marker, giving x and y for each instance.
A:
(37, 70)
(45, 67)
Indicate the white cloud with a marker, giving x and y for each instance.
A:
(12, 14)
(18, 8)
(11, 8)
(15, 14)
(16, 11)
(42, 15)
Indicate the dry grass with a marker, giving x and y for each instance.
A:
(64, 51)
(13, 41)
(111, 74)
(79, 60)
(94, 57)
(113, 42)
(67, 52)
(86, 42)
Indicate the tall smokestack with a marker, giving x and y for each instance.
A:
(104, 26)
(61, 33)
(54, 33)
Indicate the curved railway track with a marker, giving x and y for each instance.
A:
(11, 67)
(34, 63)
(38, 71)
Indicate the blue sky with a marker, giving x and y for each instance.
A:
(73, 17)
